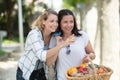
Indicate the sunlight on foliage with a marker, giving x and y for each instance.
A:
(9, 42)
(71, 4)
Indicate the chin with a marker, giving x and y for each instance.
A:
(53, 30)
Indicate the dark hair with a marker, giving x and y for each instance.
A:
(63, 13)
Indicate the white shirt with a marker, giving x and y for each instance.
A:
(33, 51)
(74, 59)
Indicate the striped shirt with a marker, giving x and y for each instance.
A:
(34, 52)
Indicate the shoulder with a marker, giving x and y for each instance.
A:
(55, 34)
(35, 33)
(84, 37)
(35, 30)
(83, 33)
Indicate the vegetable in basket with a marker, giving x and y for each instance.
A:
(72, 71)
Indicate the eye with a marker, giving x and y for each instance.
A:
(65, 22)
(71, 21)
(51, 20)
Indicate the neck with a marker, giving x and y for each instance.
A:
(46, 33)
(65, 36)
(46, 37)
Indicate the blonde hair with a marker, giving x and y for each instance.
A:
(44, 16)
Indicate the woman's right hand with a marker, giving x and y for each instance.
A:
(67, 42)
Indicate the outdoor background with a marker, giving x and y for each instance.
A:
(99, 18)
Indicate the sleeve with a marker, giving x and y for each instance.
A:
(37, 45)
(85, 38)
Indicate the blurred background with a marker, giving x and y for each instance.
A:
(99, 18)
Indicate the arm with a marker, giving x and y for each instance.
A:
(52, 55)
(53, 52)
(90, 52)
(53, 58)
(37, 45)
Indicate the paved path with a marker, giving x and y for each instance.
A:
(8, 66)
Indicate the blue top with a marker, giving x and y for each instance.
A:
(56, 34)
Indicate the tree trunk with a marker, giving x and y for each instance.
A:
(83, 12)
(108, 15)
(9, 6)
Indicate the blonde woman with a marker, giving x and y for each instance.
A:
(37, 54)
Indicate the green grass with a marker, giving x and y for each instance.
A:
(9, 42)
(2, 53)
(13, 41)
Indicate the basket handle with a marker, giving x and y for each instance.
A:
(93, 66)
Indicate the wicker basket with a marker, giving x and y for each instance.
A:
(104, 76)
(94, 76)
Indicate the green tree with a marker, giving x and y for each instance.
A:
(9, 17)
(6, 11)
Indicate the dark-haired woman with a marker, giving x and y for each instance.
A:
(74, 54)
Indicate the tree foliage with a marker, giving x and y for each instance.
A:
(72, 4)
(9, 17)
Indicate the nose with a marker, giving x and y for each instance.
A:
(68, 24)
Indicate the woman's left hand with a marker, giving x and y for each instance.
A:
(88, 57)
(85, 59)
(92, 56)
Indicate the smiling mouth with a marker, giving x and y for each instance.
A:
(68, 29)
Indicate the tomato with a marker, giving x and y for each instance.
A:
(100, 70)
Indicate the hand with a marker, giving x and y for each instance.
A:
(85, 59)
(65, 43)
(88, 57)
(92, 56)
(69, 41)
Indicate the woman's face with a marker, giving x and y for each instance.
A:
(51, 23)
(67, 24)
